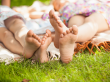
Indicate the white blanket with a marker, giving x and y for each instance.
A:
(39, 27)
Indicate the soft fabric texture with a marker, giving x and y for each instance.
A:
(82, 7)
(99, 40)
(39, 27)
(9, 57)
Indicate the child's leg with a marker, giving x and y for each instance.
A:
(7, 38)
(77, 20)
(29, 41)
(36, 15)
(41, 54)
(64, 38)
(92, 24)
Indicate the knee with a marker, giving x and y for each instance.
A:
(12, 21)
(76, 20)
(17, 21)
(7, 34)
(91, 21)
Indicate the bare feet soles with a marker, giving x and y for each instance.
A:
(66, 44)
(32, 43)
(41, 54)
(64, 37)
(58, 26)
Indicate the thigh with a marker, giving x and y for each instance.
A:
(2, 31)
(76, 20)
(7, 38)
(98, 20)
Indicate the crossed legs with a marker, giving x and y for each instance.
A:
(88, 26)
(6, 37)
(79, 31)
(64, 39)
(29, 41)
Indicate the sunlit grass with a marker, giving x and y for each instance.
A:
(84, 68)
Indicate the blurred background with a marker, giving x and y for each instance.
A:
(27, 2)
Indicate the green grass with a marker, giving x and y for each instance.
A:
(26, 2)
(84, 68)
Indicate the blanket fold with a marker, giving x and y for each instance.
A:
(100, 40)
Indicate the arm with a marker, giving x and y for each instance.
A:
(43, 15)
(6, 2)
(36, 15)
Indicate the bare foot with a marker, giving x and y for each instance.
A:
(66, 44)
(32, 43)
(58, 26)
(41, 54)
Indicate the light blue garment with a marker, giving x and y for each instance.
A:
(6, 12)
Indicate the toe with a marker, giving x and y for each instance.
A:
(36, 42)
(39, 39)
(46, 35)
(30, 33)
(64, 33)
(42, 42)
(51, 13)
(61, 36)
(70, 29)
(75, 29)
(48, 32)
(60, 23)
(36, 37)
(67, 31)
(56, 17)
(43, 39)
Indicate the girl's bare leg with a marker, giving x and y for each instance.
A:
(89, 27)
(77, 20)
(65, 38)
(36, 15)
(7, 38)
(29, 41)
(59, 28)
(86, 29)
(41, 54)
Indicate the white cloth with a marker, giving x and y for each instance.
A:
(39, 26)
(6, 12)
